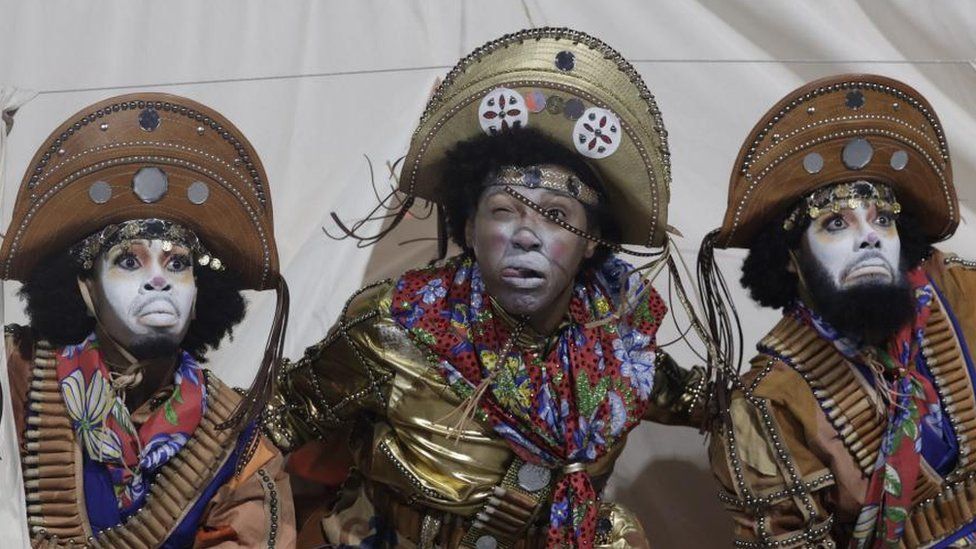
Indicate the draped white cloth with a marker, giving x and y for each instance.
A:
(316, 85)
(12, 505)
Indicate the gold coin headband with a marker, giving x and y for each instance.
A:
(850, 196)
(86, 251)
(545, 177)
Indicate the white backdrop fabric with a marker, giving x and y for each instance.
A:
(317, 86)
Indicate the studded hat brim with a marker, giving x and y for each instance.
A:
(560, 78)
(206, 176)
(838, 129)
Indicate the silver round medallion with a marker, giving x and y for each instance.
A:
(198, 192)
(100, 192)
(533, 477)
(813, 163)
(150, 184)
(486, 542)
(899, 160)
(857, 153)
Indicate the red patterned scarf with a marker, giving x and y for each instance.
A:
(105, 428)
(568, 406)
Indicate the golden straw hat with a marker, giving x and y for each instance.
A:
(146, 155)
(576, 90)
(840, 129)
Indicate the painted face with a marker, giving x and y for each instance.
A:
(856, 246)
(144, 295)
(527, 262)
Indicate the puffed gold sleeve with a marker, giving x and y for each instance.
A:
(678, 394)
(338, 379)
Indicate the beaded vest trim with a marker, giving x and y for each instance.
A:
(940, 506)
(52, 464)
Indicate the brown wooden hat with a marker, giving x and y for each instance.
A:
(576, 90)
(838, 129)
(144, 156)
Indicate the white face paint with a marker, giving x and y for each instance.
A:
(527, 261)
(859, 246)
(144, 295)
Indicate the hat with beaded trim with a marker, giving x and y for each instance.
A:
(841, 129)
(146, 156)
(576, 90)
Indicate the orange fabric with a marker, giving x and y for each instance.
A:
(264, 453)
(213, 535)
(240, 512)
(322, 462)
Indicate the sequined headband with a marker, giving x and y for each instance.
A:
(850, 196)
(545, 177)
(86, 251)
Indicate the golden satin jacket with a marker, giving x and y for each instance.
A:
(368, 383)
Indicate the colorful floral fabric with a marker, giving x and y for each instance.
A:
(912, 404)
(104, 426)
(568, 406)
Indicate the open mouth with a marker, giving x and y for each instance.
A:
(523, 277)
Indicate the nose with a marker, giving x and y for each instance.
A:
(870, 240)
(157, 283)
(525, 239)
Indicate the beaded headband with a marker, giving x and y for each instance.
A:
(545, 177)
(850, 195)
(86, 251)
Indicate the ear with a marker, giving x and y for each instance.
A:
(590, 244)
(86, 286)
(469, 232)
(590, 249)
(791, 264)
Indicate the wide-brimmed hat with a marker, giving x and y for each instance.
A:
(841, 129)
(574, 89)
(146, 156)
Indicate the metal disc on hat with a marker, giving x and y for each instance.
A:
(198, 192)
(565, 60)
(150, 184)
(857, 153)
(533, 477)
(100, 192)
(813, 163)
(149, 119)
(899, 160)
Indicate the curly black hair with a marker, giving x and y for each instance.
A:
(58, 313)
(470, 162)
(765, 274)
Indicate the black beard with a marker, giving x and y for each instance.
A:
(153, 347)
(871, 312)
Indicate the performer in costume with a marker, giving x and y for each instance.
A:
(486, 398)
(139, 221)
(855, 424)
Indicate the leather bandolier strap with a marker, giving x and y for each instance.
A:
(52, 461)
(940, 507)
(512, 508)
